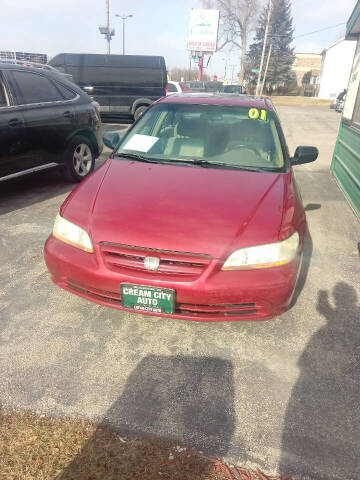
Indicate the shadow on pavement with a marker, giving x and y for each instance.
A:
(312, 206)
(321, 434)
(186, 399)
(304, 268)
(31, 189)
(35, 188)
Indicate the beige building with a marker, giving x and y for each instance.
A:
(307, 68)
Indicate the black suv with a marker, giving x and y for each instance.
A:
(46, 121)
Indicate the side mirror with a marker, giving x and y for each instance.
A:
(111, 139)
(304, 155)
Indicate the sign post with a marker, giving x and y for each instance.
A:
(203, 32)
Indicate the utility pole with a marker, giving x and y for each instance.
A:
(264, 47)
(123, 17)
(266, 69)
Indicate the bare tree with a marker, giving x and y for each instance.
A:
(237, 19)
(177, 73)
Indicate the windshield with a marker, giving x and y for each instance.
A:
(235, 136)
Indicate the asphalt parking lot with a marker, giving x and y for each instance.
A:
(281, 394)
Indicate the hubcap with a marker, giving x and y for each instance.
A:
(82, 159)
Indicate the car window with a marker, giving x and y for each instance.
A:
(96, 75)
(172, 87)
(237, 136)
(36, 88)
(66, 92)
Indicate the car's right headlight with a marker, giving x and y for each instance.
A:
(264, 256)
(72, 234)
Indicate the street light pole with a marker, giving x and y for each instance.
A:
(123, 17)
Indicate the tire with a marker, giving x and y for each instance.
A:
(139, 111)
(79, 159)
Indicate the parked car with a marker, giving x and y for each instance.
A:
(195, 86)
(177, 87)
(36, 65)
(121, 84)
(195, 215)
(46, 121)
(236, 89)
(210, 87)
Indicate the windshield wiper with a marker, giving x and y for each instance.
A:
(193, 161)
(134, 156)
(207, 164)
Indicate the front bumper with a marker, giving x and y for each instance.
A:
(215, 295)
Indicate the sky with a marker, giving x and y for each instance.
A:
(158, 27)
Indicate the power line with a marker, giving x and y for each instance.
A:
(310, 33)
(321, 30)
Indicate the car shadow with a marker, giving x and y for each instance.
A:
(321, 433)
(312, 206)
(304, 268)
(31, 189)
(179, 398)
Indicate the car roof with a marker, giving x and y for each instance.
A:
(219, 99)
(29, 68)
(53, 73)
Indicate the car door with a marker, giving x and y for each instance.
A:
(11, 132)
(48, 117)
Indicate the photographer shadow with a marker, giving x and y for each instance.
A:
(178, 399)
(321, 434)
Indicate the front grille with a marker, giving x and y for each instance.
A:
(94, 293)
(218, 310)
(125, 258)
(186, 310)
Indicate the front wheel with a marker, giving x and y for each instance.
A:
(140, 111)
(79, 159)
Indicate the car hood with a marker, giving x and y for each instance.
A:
(181, 208)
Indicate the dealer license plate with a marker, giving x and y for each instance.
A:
(147, 299)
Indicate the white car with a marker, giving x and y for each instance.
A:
(177, 87)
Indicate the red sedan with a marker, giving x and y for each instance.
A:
(195, 215)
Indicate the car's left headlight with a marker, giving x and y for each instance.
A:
(72, 234)
(264, 256)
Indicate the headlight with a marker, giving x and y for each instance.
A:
(72, 234)
(264, 256)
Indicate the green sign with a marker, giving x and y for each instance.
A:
(255, 70)
(144, 298)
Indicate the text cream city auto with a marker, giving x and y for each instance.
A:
(195, 215)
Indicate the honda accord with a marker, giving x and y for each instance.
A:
(195, 214)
